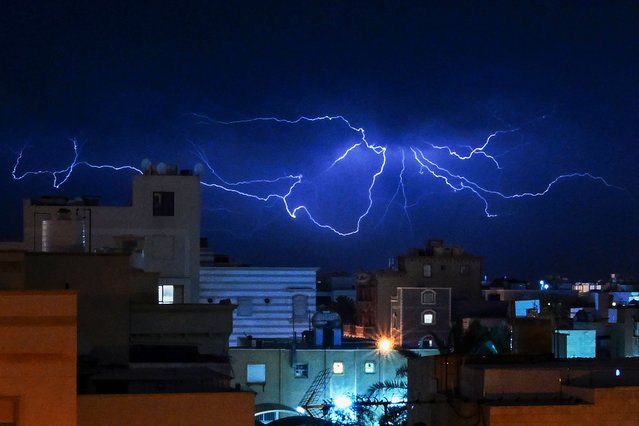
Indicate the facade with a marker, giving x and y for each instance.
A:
(175, 409)
(420, 317)
(126, 340)
(272, 303)
(106, 285)
(451, 390)
(161, 227)
(291, 378)
(38, 381)
(38, 358)
(436, 266)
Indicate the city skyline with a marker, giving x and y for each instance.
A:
(453, 104)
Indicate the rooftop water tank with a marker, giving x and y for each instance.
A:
(65, 233)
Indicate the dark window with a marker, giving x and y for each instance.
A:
(300, 307)
(428, 271)
(163, 203)
(244, 307)
(428, 297)
(464, 270)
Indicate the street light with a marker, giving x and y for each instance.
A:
(385, 345)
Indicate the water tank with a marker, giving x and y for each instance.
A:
(63, 234)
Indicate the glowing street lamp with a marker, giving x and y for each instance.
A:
(385, 345)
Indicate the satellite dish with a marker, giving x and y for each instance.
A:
(146, 165)
(161, 168)
(198, 169)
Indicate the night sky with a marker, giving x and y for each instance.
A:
(133, 80)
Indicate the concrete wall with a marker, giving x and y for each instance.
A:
(106, 285)
(219, 408)
(38, 358)
(610, 406)
(207, 326)
(283, 387)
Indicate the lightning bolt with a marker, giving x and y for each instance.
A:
(480, 150)
(291, 209)
(289, 184)
(61, 176)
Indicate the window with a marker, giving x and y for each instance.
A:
(428, 297)
(165, 294)
(464, 270)
(442, 267)
(163, 203)
(255, 373)
(300, 307)
(369, 367)
(244, 306)
(338, 367)
(427, 342)
(428, 270)
(394, 320)
(428, 317)
(300, 371)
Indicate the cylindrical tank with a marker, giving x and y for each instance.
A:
(64, 233)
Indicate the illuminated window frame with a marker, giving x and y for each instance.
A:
(165, 294)
(255, 373)
(428, 317)
(338, 367)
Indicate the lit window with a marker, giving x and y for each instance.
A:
(244, 307)
(428, 270)
(255, 373)
(427, 342)
(338, 367)
(165, 294)
(163, 203)
(428, 317)
(369, 367)
(428, 297)
(300, 371)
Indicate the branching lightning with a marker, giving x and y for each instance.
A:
(61, 176)
(293, 210)
(258, 189)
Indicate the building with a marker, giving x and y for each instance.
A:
(123, 333)
(421, 317)
(38, 358)
(436, 266)
(284, 379)
(161, 228)
(38, 367)
(272, 303)
(452, 390)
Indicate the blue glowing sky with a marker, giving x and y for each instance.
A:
(180, 83)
